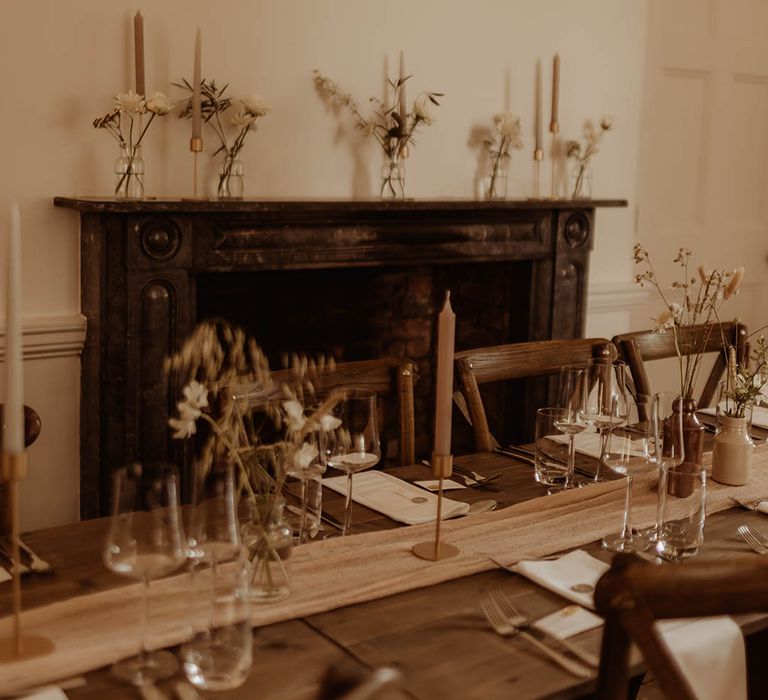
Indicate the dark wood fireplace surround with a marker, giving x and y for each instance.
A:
(141, 263)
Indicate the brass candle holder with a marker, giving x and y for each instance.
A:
(538, 156)
(554, 128)
(13, 468)
(442, 467)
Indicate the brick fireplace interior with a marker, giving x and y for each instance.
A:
(363, 313)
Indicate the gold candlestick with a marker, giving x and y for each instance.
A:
(538, 156)
(442, 467)
(196, 146)
(554, 127)
(12, 469)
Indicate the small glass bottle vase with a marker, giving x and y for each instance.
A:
(269, 540)
(393, 178)
(230, 179)
(495, 184)
(582, 181)
(129, 174)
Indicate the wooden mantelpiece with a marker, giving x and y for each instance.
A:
(139, 262)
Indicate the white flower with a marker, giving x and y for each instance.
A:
(329, 422)
(294, 415)
(304, 456)
(421, 114)
(130, 102)
(667, 318)
(508, 125)
(256, 105)
(734, 284)
(159, 104)
(196, 395)
(243, 120)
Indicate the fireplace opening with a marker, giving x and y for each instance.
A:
(361, 313)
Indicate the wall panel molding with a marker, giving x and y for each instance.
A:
(50, 336)
(610, 297)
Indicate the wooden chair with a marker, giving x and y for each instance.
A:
(633, 594)
(645, 346)
(391, 378)
(32, 426)
(519, 360)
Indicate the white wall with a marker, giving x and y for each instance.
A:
(63, 60)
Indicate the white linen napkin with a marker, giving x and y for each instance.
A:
(588, 443)
(434, 485)
(48, 693)
(569, 621)
(394, 497)
(710, 651)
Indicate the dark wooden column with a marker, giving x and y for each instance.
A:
(139, 262)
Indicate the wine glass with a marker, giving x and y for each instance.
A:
(356, 446)
(630, 451)
(145, 542)
(606, 401)
(573, 402)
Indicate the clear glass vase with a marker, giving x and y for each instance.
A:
(495, 184)
(582, 181)
(393, 178)
(129, 174)
(268, 539)
(230, 179)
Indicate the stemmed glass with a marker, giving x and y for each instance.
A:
(631, 450)
(145, 542)
(573, 404)
(606, 402)
(356, 446)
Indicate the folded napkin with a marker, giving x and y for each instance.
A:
(48, 693)
(588, 443)
(759, 414)
(434, 485)
(394, 497)
(569, 621)
(709, 651)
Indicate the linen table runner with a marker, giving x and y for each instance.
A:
(94, 630)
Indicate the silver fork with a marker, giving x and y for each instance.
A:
(505, 628)
(755, 539)
(521, 621)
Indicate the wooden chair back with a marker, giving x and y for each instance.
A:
(390, 378)
(640, 347)
(634, 593)
(518, 360)
(32, 426)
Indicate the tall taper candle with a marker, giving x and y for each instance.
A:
(138, 39)
(13, 440)
(197, 115)
(554, 124)
(539, 117)
(446, 333)
(403, 106)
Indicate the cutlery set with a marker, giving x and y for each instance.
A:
(30, 561)
(507, 621)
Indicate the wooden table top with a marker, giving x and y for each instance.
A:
(437, 636)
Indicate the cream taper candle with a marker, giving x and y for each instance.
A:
(13, 438)
(446, 334)
(539, 117)
(554, 124)
(403, 106)
(197, 118)
(138, 39)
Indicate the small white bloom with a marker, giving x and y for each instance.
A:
(294, 415)
(182, 428)
(329, 422)
(159, 104)
(196, 395)
(304, 456)
(508, 125)
(420, 113)
(242, 120)
(256, 106)
(130, 102)
(666, 318)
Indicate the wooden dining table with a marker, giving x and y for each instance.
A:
(436, 635)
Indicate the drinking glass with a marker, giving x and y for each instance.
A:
(356, 446)
(145, 542)
(307, 464)
(606, 401)
(219, 657)
(683, 512)
(630, 451)
(573, 402)
(551, 448)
